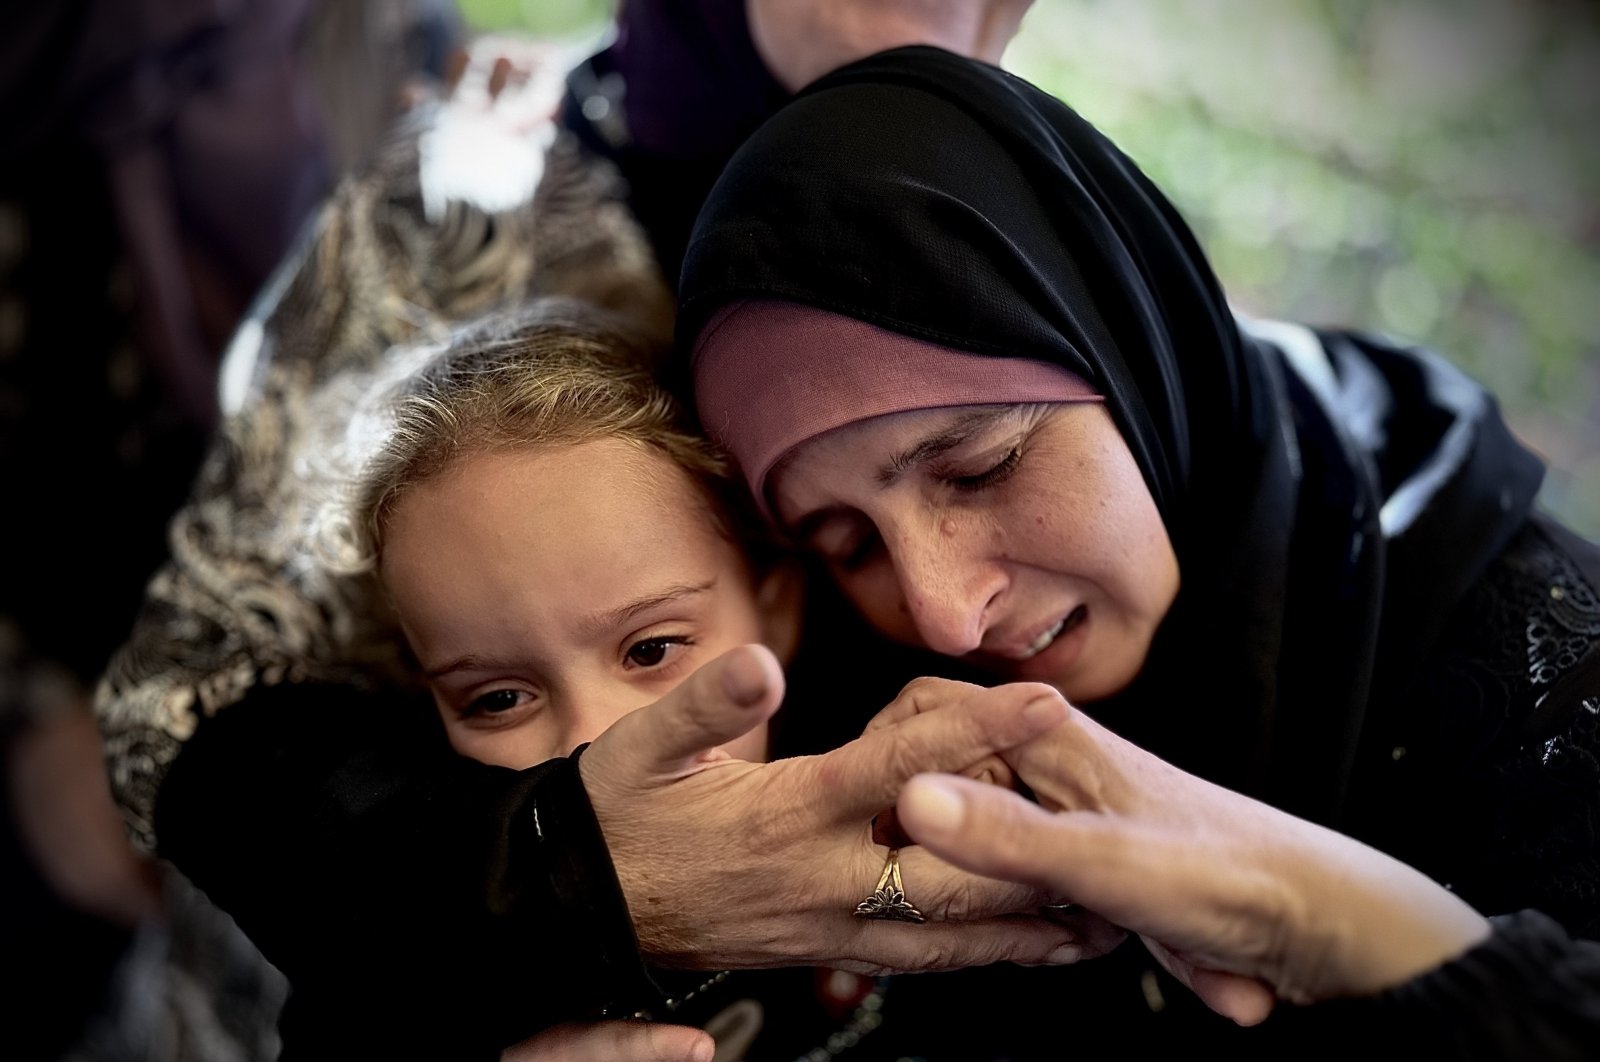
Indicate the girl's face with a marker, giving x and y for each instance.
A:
(1022, 538)
(548, 592)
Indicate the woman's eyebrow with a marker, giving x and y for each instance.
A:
(940, 442)
(600, 622)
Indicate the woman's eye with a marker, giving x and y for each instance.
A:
(846, 543)
(991, 475)
(653, 652)
(497, 702)
(859, 552)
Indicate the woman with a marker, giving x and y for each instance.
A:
(1302, 565)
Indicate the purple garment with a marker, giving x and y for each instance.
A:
(696, 85)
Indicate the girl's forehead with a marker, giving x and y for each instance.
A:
(546, 537)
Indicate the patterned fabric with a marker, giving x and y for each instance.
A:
(260, 587)
(1493, 780)
(1538, 690)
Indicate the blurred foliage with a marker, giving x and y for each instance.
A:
(536, 16)
(1423, 167)
(1427, 168)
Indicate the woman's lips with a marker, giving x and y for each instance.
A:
(1041, 643)
(1057, 659)
(1047, 638)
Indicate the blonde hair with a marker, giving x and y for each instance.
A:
(557, 372)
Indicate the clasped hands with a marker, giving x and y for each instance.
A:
(730, 864)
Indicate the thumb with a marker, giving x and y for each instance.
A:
(719, 703)
(614, 1041)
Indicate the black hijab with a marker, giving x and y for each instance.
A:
(947, 200)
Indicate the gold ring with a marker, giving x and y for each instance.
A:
(888, 901)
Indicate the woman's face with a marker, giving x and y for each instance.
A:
(549, 592)
(1022, 538)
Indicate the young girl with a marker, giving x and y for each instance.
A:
(559, 546)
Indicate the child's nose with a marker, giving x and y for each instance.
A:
(593, 712)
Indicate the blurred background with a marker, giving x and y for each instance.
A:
(1428, 168)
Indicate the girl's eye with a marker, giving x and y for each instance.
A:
(653, 652)
(996, 473)
(497, 702)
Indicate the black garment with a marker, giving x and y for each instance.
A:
(407, 893)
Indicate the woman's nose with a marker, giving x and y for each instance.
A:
(948, 590)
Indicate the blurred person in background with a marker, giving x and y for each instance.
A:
(158, 158)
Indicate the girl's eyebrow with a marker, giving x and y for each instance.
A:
(940, 442)
(588, 627)
(600, 622)
(467, 662)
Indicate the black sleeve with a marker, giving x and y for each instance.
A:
(1528, 992)
(416, 900)
(1503, 805)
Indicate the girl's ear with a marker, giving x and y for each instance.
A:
(781, 598)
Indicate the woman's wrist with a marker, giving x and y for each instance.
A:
(1390, 922)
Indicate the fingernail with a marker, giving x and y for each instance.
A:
(1066, 953)
(745, 680)
(1063, 955)
(705, 1049)
(1043, 713)
(936, 807)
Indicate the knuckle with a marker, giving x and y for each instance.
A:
(957, 904)
(902, 759)
(920, 684)
(928, 691)
(940, 955)
(1035, 690)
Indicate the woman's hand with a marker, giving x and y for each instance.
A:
(1224, 889)
(728, 864)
